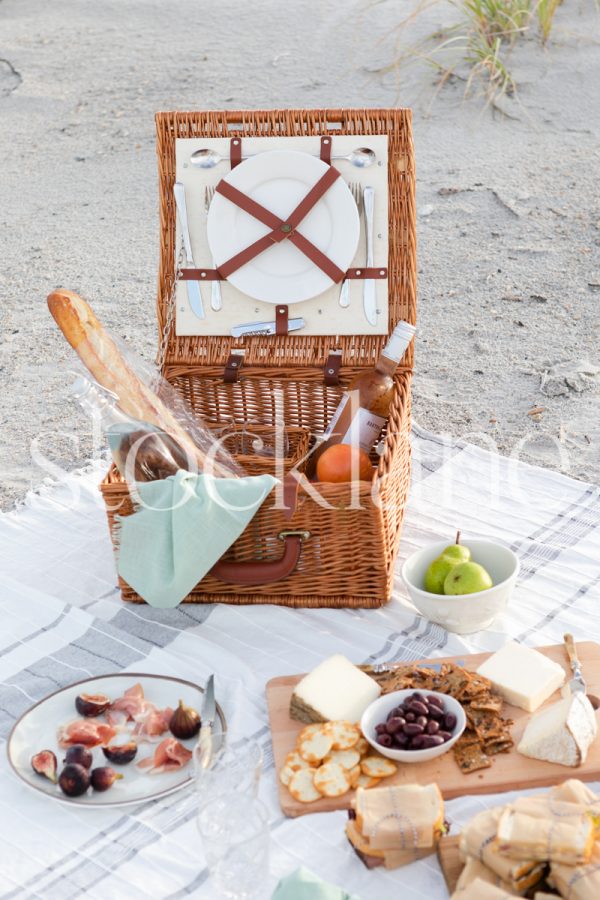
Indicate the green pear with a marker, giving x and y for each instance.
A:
(467, 578)
(458, 552)
(437, 572)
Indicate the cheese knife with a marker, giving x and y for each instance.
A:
(265, 327)
(193, 287)
(207, 717)
(369, 293)
(577, 683)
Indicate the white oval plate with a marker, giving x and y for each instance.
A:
(36, 730)
(279, 180)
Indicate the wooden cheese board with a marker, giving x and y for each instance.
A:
(509, 771)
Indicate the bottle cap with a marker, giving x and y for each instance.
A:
(399, 340)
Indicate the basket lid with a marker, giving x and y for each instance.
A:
(293, 349)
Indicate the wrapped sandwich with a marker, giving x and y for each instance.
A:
(395, 825)
(548, 839)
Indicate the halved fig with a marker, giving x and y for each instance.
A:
(80, 754)
(103, 777)
(74, 780)
(44, 763)
(92, 704)
(120, 754)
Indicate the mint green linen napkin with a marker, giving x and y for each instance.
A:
(304, 885)
(181, 527)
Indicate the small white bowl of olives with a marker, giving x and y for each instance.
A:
(413, 726)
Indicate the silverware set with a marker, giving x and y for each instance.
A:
(205, 158)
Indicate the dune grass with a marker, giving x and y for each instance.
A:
(477, 48)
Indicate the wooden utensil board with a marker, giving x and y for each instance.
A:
(508, 772)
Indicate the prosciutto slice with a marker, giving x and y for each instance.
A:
(150, 721)
(90, 732)
(169, 756)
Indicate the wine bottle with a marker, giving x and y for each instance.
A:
(364, 408)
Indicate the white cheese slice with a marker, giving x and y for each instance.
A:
(524, 677)
(336, 689)
(562, 733)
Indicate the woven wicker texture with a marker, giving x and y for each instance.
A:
(348, 561)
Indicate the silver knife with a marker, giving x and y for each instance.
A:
(369, 293)
(207, 718)
(193, 287)
(265, 327)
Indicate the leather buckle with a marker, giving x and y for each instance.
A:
(303, 535)
(233, 365)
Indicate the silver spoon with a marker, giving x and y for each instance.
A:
(362, 158)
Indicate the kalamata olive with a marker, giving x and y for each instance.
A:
(416, 742)
(436, 701)
(81, 755)
(385, 740)
(422, 720)
(74, 780)
(394, 725)
(449, 722)
(401, 740)
(417, 697)
(432, 727)
(421, 709)
(396, 711)
(411, 728)
(445, 735)
(381, 728)
(431, 740)
(410, 716)
(435, 712)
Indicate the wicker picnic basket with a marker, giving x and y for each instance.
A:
(349, 541)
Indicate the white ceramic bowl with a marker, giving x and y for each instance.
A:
(464, 613)
(379, 710)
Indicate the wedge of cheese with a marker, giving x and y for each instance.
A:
(562, 733)
(524, 677)
(335, 690)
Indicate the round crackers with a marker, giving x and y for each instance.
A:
(302, 786)
(331, 780)
(344, 735)
(377, 767)
(316, 746)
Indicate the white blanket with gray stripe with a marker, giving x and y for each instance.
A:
(62, 620)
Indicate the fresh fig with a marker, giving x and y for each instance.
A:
(103, 777)
(44, 763)
(92, 704)
(120, 754)
(185, 722)
(79, 754)
(74, 780)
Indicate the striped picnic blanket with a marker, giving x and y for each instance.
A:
(62, 620)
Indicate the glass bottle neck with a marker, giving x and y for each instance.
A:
(386, 366)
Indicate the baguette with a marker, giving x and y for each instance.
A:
(101, 356)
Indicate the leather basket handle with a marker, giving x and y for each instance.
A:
(257, 572)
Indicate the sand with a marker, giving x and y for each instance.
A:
(508, 224)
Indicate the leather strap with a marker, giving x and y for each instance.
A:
(232, 368)
(235, 152)
(326, 150)
(291, 486)
(281, 229)
(379, 272)
(257, 572)
(331, 374)
(281, 319)
(218, 275)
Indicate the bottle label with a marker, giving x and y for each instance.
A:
(364, 429)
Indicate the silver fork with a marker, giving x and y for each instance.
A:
(216, 301)
(345, 288)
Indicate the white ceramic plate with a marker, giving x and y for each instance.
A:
(36, 730)
(279, 180)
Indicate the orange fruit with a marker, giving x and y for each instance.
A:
(342, 462)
